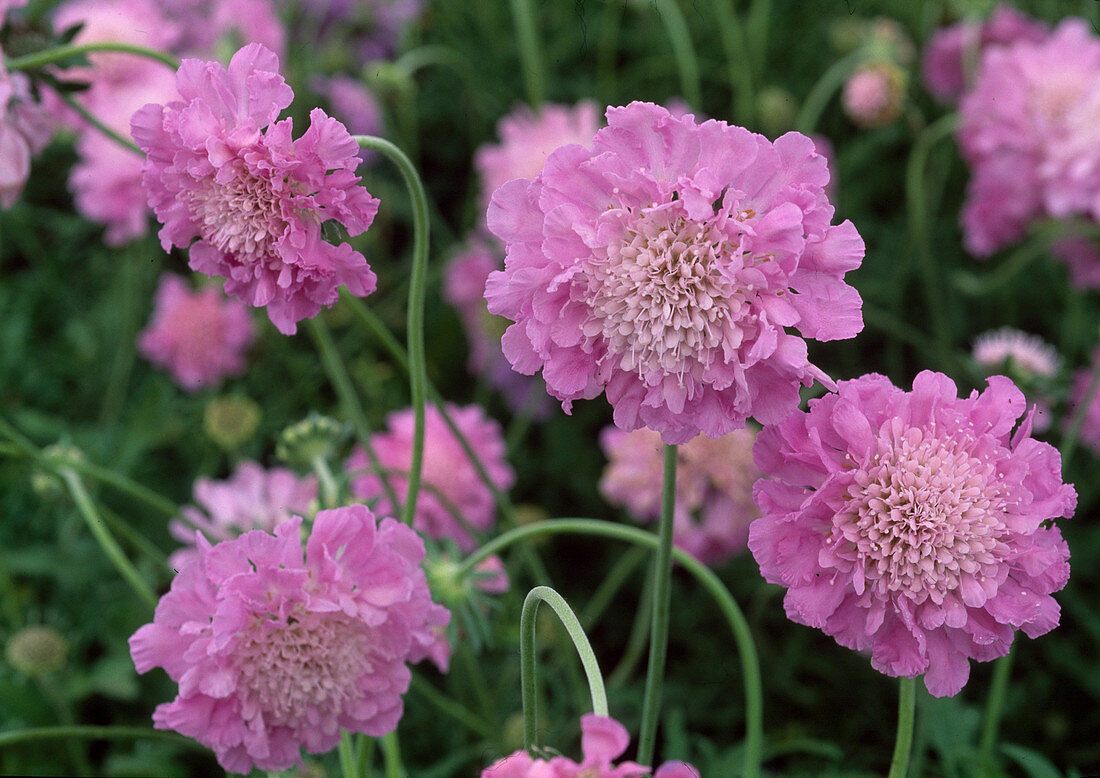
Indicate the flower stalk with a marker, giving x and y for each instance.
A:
(903, 744)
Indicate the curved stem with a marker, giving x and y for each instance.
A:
(61, 53)
(89, 117)
(452, 708)
(680, 37)
(658, 633)
(907, 697)
(528, 683)
(1002, 671)
(530, 52)
(823, 90)
(1069, 442)
(739, 627)
(418, 369)
(88, 732)
(742, 96)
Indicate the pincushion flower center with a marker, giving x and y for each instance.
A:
(924, 518)
(301, 663)
(659, 300)
(241, 216)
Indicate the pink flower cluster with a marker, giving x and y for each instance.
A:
(229, 182)
(454, 501)
(913, 524)
(250, 499)
(275, 651)
(714, 478)
(369, 29)
(603, 740)
(198, 337)
(1030, 131)
(668, 265)
(25, 129)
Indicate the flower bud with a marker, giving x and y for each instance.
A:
(37, 649)
(314, 437)
(231, 421)
(875, 94)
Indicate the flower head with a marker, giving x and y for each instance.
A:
(666, 265)
(874, 94)
(252, 498)
(199, 337)
(228, 181)
(25, 129)
(714, 478)
(1030, 131)
(275, 651)
(1078, 395)
(454, 499)
(912, 523)
(1030, 355)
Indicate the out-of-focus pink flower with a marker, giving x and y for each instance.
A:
(911, 524)
(228, 181)
(252, 498)
(198, 337)
(714, 478)
(1079, 393)
(874, 94)
(527, 138)
(603, 740)
(206, 27)
(669, 265)
(1027, 359)
(25, 129)
(954, 52)
(135, 22)
(352, 103)
(275, 651)
(369, 29)
(1082, 257)
(1030, 131)
(453, 499)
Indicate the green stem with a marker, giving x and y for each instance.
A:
(139, 542)
(99, 125)
(391, 756)
(823, 90)
(61, 53)
(93, 733)
(418, 369)
(530, 51)
(687, 65)
(759, 16)
(637, 641)
(658, 633)
(103, 535)
(907, 695)
(974, 285)
(1069, 442)
(452, 708)
(742, 95)
(346, 751)
(330, 492)
(994, 705)
(611, 584)
(528, 682)
(711, 583)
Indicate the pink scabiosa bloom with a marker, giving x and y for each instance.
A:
(275, 651)
(1027, 359)
(25, 129)
(527, 138)
(198, 337)
(206, 26)
(370, 29)
(953, 53)
(228, 181)
(252, 498)
(454, 500)
(714, 478)
(352, 103)
(1030, 131)
(912, 524)
(1079, 394)
(874, 94)
(667, 265)
(603, 740)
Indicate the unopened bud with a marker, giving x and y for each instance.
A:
(37, 649)
(315, 437)
(231, 421)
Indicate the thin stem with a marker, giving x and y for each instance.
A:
(823, 90)
(658, 634)
(742, 95)
(1069, 442)
(329, 490)
(346, 751)
(61, 53)
(528, 682)
(103, 535)
(93, 733)
(89, 117)
(391, 756)
(994, 705)
(418, 369)
(452, 708)
(530, 52)
(687, 65)
(907, 696)
(611, 584)
(638, 640)
(711, 583)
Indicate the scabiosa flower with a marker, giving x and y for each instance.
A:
(252, 498)
(527, 138)
(1079, 393)
(1028, 354)
(25, 129)
(453, 499)
(1029, 131)
(371, 29)
(603, 740)
(275, 651)
(227, 180)
(911, 524)
(665, 266)
(1082, 258)
(714, 480)
(198, 337)
(874, 94)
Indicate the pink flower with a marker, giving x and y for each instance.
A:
(666, 265)
(222, 173)
(1079, 393)
(198, 337)
(275, 652)
(1030, 131)
(454, 500)
(714, 480)
(371, 29)
(874, 94)
(25, 129)
(911, 524)
(1029, 354)
(251, 498)
(207, 25)
(603, 740)
(136, 22)
(953, 53)
(1082, 258)
(8, 5)
(353, 103)
(526, 140)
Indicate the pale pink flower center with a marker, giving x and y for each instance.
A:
(659, 299)
(295, 666)
(241, 217)
(922, 517)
